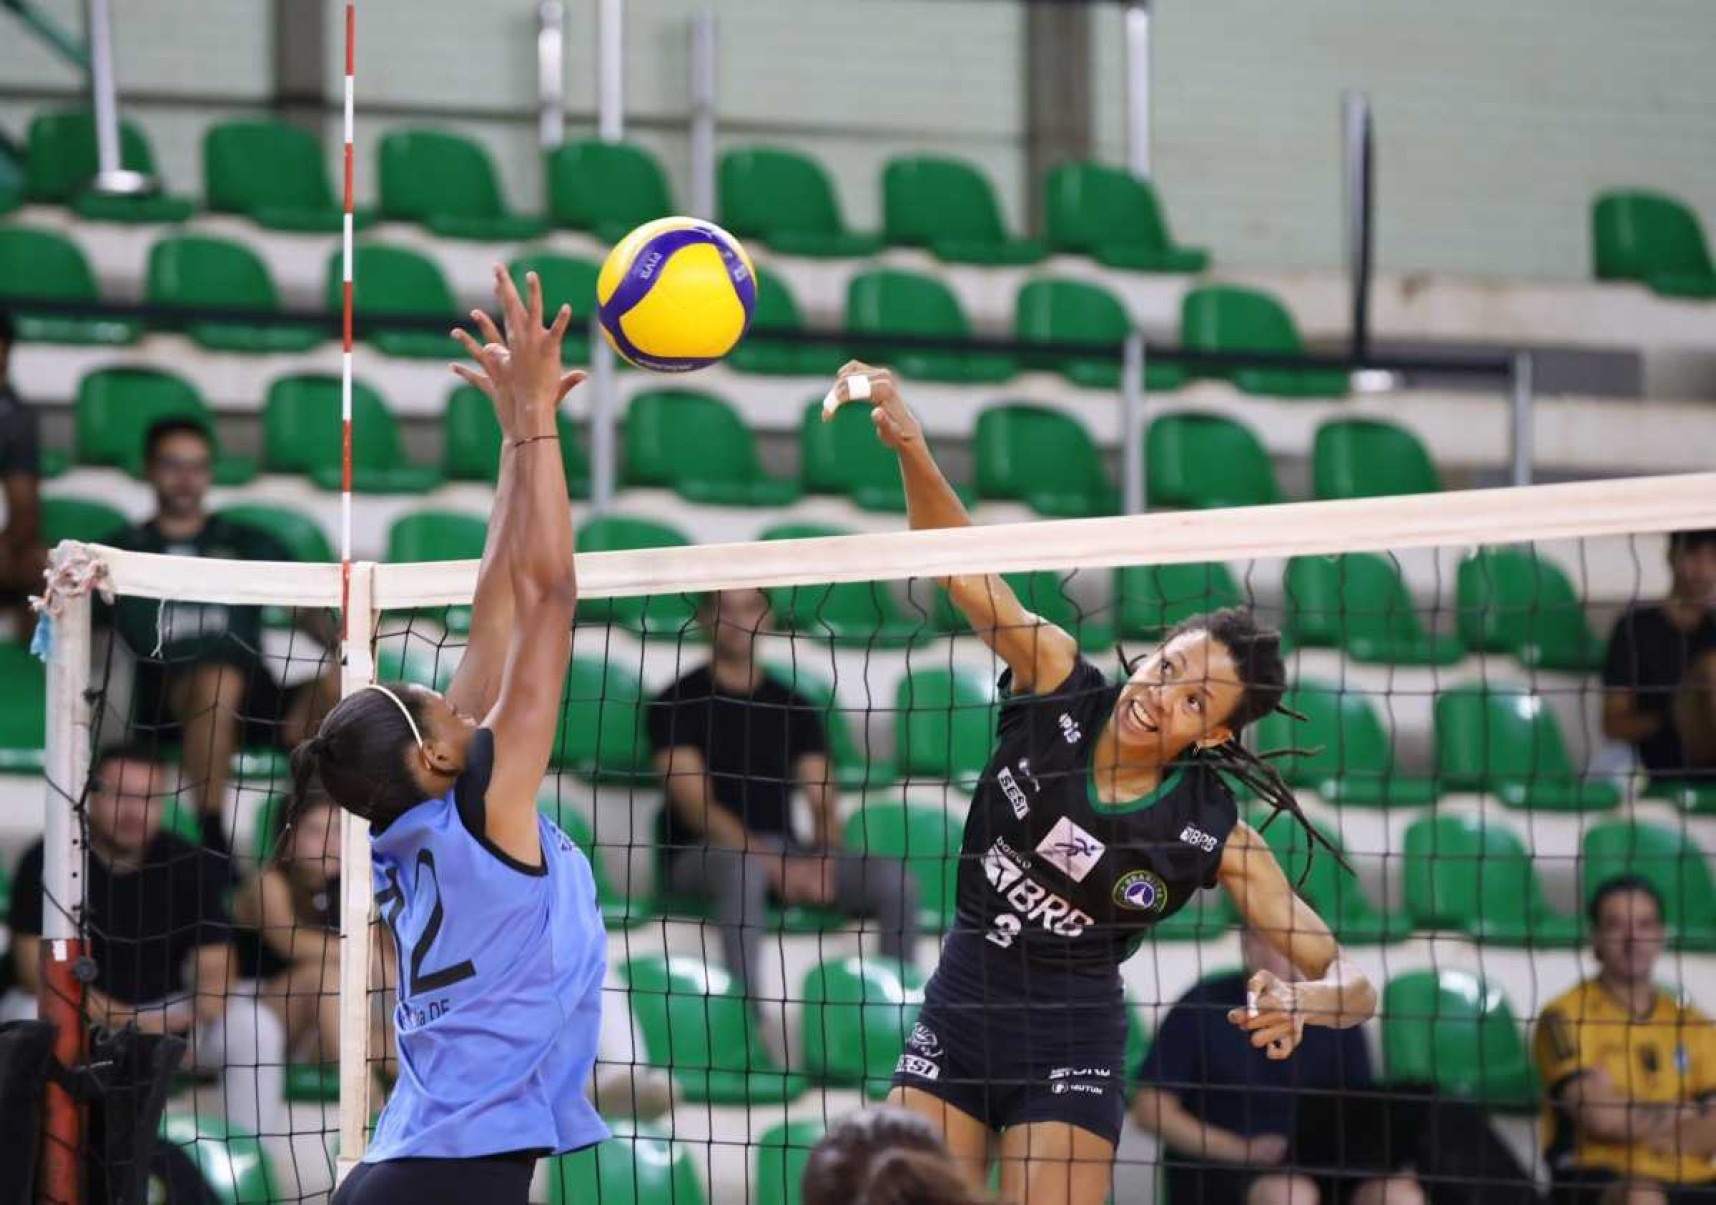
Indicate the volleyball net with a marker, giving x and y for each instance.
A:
(1447, 653)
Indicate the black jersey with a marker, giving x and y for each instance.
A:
(1066, 881)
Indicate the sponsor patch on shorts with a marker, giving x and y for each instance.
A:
(911, 1064)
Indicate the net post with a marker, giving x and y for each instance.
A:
(1132, 422)
(1137, 20)
(1520, 433)
(357, 671)
(550, 74)
(63, 844)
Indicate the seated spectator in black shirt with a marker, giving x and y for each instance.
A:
(22, 557)
(200, 675)
(731, 744)
(1661, 669)
(1228, 1116)
(156, 920)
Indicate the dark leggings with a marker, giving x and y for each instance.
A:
(491, 1180)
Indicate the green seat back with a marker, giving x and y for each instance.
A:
(1339, 601)
(1488, 736)
(842, 610)
(692, 1016)
(601, 732)
(931, 198)
(944, 724)
(43, 263)
(234, 1168)
(844, 456)
(259, 165)
(566, 280)
(1068, 311)
(301, 426)
(61, 156)
(471, 442)
(436, 535)
(1454, 1030)
(637, 1166)
(1473, 875)
(605, 186)
(301, 534)
(888, 301)
(1368, 458)
(1150, 599)
(1669, 859)
(433, 173)
(1204, 460)
(23, 710)
(761, 191)
(782, 1154)
(196, 270)
(80, 519)
(1641, 236)
(926, 836)
(392, 280)
(858, 1012)
(115, 408)
(1090, 204)
(1042, 457)
(679, 436)
(1512, 601)
(1342, 736)
(668, 613)
(1337, 894)
(1230, 318)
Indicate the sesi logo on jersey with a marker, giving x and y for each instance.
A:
(1015, 793)
(1071, 850)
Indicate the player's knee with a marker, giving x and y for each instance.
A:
(1635, 1192)
(1391, 1190)
(1282, 1190)
(212, 685)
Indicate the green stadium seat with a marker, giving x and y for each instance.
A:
(1335, 892)
(1150, 599)
(617, 909)
(45, 264)
(1226, 318)
(782, 1154)
(60, 161)
(1358, 601)
(944, 725)
(23, 710)
(1670, 860)
(786, 201)
(1511, 600)
(80, 519)
(301, 433)
(274, 174)
(858, 1012)
(886, 301)
(1475, 876)
(639, 1165)
(1369, 458)
(313, 1083)
(447, 183)
(948, 206)
(1503, 739)
(858, 613)
(1044, 593)
(1654, 240)
(1202, 461)
(1697, 798)
(927, 836)
(1452, 1029)
(396, 282)
(697, 445)
(605, 187)
(213, 273)
(439, 535)
(11, 179)
(1076, 311)
(472, 442)
(776, 310)
(601, 735)
(301, 534)
(852, 769)
(1115, 218)
(115, 408)
(698, 1027)
(1349, 755)
(234, 1167)
(1043, 458)
(566, 280)
(844, 456)
(668, 615)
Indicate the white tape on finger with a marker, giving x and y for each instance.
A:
(858, 387)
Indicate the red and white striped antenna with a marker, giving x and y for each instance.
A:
(346, 332)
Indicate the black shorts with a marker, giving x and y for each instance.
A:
(1014, 1062)
(1586, 1185)
(261, 715)
(490, 1180)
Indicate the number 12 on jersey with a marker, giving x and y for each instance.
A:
(391, 904)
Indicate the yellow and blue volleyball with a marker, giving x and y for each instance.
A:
(675, 294)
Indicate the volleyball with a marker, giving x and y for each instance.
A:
(675, 295)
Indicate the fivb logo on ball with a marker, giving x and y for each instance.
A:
(676, 294)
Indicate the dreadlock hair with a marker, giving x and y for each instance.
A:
(361, 755)
(885, 1156)
(1256, 653)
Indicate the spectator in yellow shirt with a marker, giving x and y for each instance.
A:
(1630, 1072)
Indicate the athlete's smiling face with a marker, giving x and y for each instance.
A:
(1179, 696)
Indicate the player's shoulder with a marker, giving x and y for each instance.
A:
(691, 687)
(1584, 1001)
(1683, 1012)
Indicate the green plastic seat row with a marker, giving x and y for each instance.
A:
(47, 265)
(1651, 239)
(60, 162)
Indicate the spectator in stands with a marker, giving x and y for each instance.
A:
(1229, 1118)
(158, 934)
(731, 744)
(1629, 1072)
(200, 673)
(885, 1156)
(1661, 668)
(22, 556)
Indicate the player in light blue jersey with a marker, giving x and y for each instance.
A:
(491, 907)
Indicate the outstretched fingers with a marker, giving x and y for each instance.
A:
(506, 292)
(568, 383)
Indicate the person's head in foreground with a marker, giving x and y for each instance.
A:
(383, 750)
(178, 461)
(7, 334)
(885, 1156)
(126, 802)
(733, 619)
(307, 840)
(1626, 930)
(1692, 566)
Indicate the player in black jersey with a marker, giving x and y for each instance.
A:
(1102, 810)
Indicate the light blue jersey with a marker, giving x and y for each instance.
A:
(500, 984)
